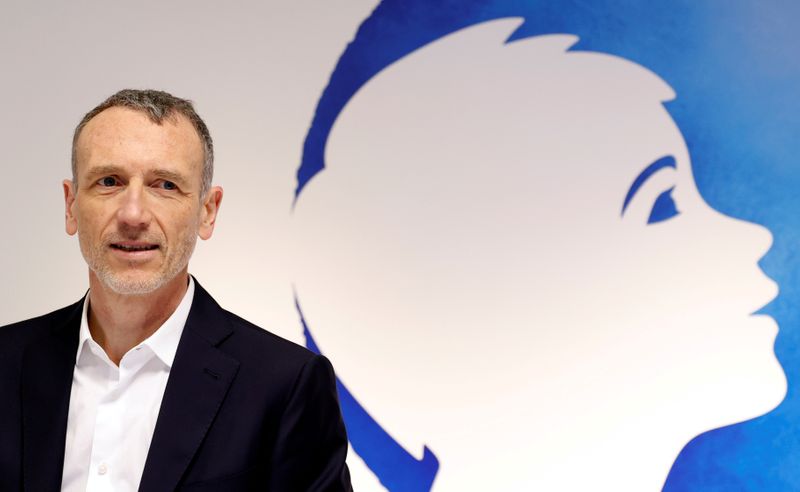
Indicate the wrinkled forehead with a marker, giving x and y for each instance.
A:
(125, 134)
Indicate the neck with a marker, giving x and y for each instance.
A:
(119, 322)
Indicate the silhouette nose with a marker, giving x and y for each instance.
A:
(133, 212)
(754, 249)
(759, 238)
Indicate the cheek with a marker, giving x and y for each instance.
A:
(88, 220)
(180, 225)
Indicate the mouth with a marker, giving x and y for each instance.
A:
(133, 249)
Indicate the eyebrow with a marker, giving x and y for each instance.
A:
(170, 175)
(657, 165)
(111, 169)
(108, 169)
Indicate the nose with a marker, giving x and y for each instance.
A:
(750, 242)
(760, 238)
(133, 212)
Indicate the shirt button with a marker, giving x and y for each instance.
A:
(102, 469)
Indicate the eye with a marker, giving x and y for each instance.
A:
(664, 208)
(167, 185)
(108, 181)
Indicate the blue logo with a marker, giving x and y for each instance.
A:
(728, 79)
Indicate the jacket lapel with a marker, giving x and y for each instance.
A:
(198, 382)
(47, 368)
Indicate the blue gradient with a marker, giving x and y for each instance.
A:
(736, 72)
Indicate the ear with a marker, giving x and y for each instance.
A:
(69, 203)
(208, 216)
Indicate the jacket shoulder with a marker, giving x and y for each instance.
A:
(20, 333)
(264, 358)
(262, 341)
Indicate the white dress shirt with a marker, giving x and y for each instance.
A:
(113, 410)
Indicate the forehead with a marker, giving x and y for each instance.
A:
(585, 112)
(124, 136)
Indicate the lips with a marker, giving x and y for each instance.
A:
(133, 247)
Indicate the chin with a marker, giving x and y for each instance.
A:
(766, 383)
(750, 397)
(766, 395)
(132, 284)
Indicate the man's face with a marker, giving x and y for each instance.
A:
(136, 205)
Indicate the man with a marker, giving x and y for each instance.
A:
(146, 383)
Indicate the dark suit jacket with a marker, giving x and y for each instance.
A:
(243, 409)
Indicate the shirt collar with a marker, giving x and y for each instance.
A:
(163, 343)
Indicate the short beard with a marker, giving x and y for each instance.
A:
(119, 284)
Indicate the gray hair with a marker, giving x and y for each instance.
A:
(158, 106)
